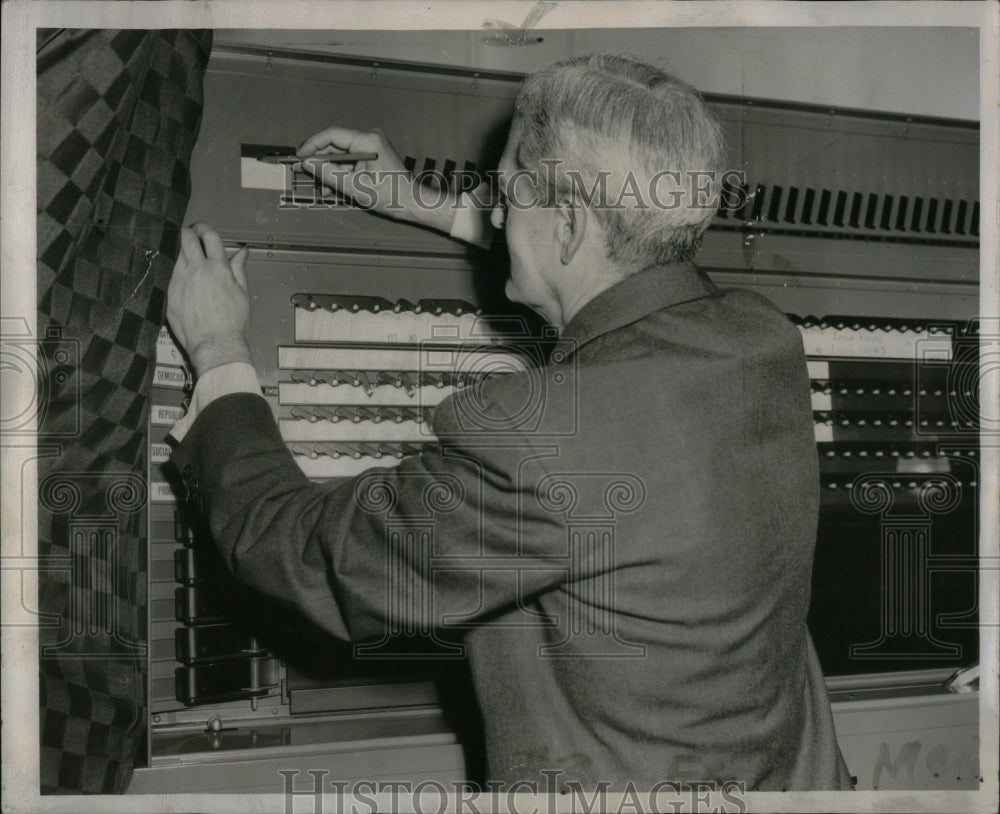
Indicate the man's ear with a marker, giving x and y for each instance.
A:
(571, 226)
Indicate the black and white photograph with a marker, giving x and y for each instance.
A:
(523, 406)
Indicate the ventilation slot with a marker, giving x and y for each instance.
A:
(946, 218)
(464, 180)
(807, 207)
(883, 216)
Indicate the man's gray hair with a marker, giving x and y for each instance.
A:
(612, 113)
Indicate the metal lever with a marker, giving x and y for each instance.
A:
(283, 157)
(965, 679)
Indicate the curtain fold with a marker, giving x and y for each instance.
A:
(117, 117)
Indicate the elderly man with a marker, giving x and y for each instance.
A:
(670, 645)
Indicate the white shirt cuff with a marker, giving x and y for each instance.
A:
(471, 224)
(234, 377)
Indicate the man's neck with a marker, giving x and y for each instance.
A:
(597, 283)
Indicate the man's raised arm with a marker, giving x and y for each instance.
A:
(384, 185)
(207, 303)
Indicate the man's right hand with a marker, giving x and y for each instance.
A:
(208, 306)
(382, 184)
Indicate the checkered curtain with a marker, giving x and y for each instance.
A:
(117, 117)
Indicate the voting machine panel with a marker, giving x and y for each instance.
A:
(360, 326)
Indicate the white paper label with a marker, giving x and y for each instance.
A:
(405, 328)
(175, 377)
(819, 370)
(163, 415)
(822, 401)
(323, 467)
(303, 357)
(866, 344)
(167, 352)
(823, 433)
(160, 492)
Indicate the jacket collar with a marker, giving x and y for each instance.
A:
(635, 297)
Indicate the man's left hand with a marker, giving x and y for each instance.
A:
(207, 303)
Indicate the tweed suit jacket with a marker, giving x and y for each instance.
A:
(624, 537)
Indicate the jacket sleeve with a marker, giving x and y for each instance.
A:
(454, 533)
